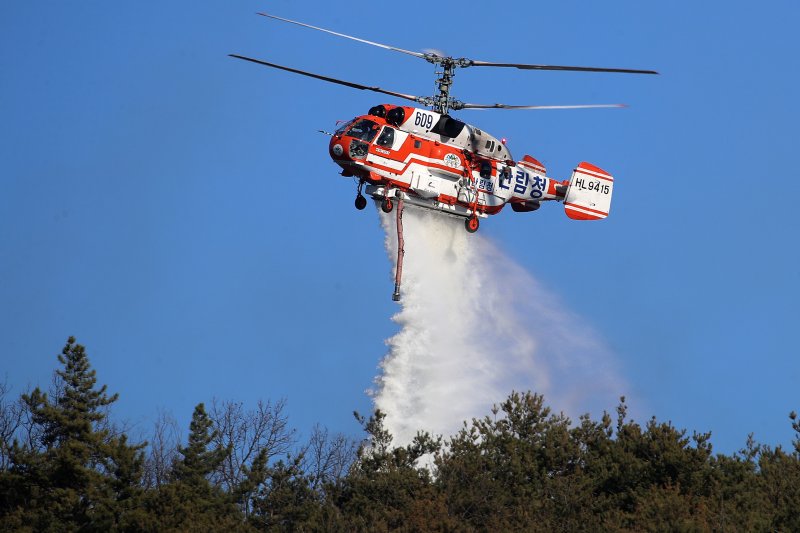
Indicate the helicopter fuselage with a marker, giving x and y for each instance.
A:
(439, 162)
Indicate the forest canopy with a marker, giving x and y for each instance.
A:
(66, 466)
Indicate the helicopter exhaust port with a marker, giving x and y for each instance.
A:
(377, 111)
(396, 116)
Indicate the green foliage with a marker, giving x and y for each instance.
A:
(386, 489)
(198, 461)
(72, 472)
(500, 473)
(284, 499)
(189, 500)
(521, 468)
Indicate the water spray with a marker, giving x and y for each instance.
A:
(473, 326)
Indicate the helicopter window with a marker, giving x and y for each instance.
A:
(417, 144)
(386, 138)
(340, 129)
(364, 129)
(486, 169)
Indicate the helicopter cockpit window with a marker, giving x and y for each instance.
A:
(386, 137)
(364, 129)
(340, 129)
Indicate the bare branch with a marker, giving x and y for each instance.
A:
(12, 415)
(162, 450)
(246, 433)
(327, 458)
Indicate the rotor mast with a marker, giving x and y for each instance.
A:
(447, 74)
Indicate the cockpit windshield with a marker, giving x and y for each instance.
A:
(364, 129)
(344, 126)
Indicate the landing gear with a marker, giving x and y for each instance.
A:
(472, 224)
(387, 205)
(361, 202)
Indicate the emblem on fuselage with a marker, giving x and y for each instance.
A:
(452, 160)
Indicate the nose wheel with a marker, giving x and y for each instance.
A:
(472, 224)
(387, 205)
(360, 202)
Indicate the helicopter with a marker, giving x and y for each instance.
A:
(429, 159)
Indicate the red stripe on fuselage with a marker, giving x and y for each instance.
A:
(593, 175)
(583, 208)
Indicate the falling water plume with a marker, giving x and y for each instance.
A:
(475, 325)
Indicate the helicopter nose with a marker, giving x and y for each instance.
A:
(345, 150)
(339, 152)
(337, 148)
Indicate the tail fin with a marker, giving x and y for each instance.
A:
(588, 196)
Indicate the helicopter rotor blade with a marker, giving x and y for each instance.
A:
(525, 66)
(373, 43)
(463, 105)
(329, 79)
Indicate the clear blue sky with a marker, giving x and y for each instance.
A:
(176, 209)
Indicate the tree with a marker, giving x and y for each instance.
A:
(516, 471)
(162, 452)
(246, 433)
(11, 418)
(282, 496)
(386, 489)
(72, 472)
(780, 486)
(328, 458)
(65, 466)
(198, 461)
(189, 501)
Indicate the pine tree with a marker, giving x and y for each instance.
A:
(190, 501)
(385, 489)
(198, 460)
(283, 499)
(76, 475)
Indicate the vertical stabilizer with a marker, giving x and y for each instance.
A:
(589, 193)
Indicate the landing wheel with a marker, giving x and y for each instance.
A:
(361, 202)
(387, 205)
(472, 224)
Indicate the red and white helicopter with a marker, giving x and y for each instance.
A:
(427, 158)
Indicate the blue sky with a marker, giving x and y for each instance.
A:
(176, 209)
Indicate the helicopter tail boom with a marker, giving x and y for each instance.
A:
(589, 192)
